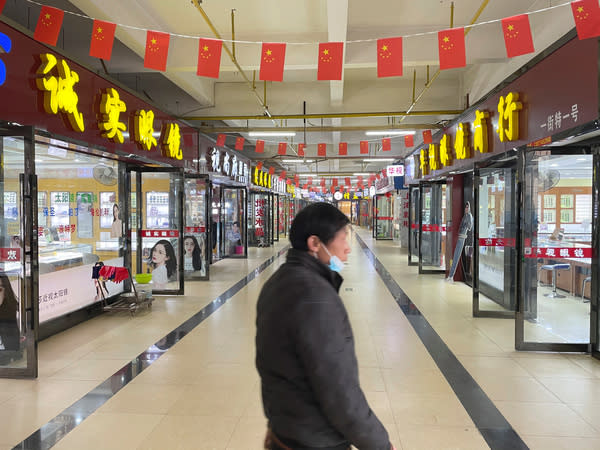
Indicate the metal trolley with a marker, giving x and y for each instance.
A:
(127, 301)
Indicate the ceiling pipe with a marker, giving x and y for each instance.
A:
(416, 126)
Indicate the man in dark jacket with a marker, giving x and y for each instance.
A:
(305, 347)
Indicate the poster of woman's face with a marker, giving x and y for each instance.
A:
(163, 263)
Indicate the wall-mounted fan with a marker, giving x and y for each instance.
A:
(106, 175)
(548, 179)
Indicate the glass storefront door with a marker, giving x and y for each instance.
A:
(260, 219)
(196, 243)
(157, 232)
(496, 216)
(432, 243)
(19, 301)
(363, 213)
(413, 225)
(556, 277)
(233, 222)
(383, 217)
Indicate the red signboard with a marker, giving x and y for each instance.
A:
(160, 233)
(434, 228)
(10, 254)
(195, 229)
(384, 218)
(23, 102)
(496, 242)
(558, 252)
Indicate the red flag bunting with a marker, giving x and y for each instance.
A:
(288, 181)
(297, 184)
(103, 36)
(386, 144)
(282, 174)
(364, 147)
(347, 180)
(451, 44)
(378, 176)
(48, 25)
(260, 146)
(281, 148)
(331, 61)
(259, 165)
(427, 137)
(221, 140)
(517, 35)
(384, 172)
(409, 141)
(157, 50)
(321, 149)
(239, 143)
(332, 189)
(2, 3)
(587, 18)
(272, 62)
(334, 181)
(271, 171)
(301, 148)
(389, 57)
(309, 180)
(343, 148)
(209, 57)
(296, 177)
(322, 181)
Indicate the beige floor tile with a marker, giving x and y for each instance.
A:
(199, 401)
(577, 390)
(516, 389)
(249, 434)
(492, 366)
(371, 379)
(380, 404)
(560, 443)
(555, 368)
(434, 410)
(90, 369)
(143, 399)
(546, 419)
(190, 433)
(110, 431)
(424, 382)
(441, 438)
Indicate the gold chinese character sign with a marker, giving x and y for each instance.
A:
(111, 107)
(424, 162)
(508, 120)
(59, 91)
(480, 138)
(462, 145)
(172, 141)
(446, 151)
(434, 157)
(144, 129)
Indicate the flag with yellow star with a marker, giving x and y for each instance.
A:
(331, 61)
(343, 148)
(301, 148)
(209, 57)
(48, 25)
(517, 35)
(103, 36)
(587, 18)
(321, 149)
(451, 45)
(272, 61)
(157, 50)
(389, 57)
(2, 4)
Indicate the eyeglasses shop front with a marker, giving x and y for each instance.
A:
(524, 157)
(90, 174)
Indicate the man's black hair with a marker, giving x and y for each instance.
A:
(319, 219)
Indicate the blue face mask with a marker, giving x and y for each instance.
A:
(335, 263)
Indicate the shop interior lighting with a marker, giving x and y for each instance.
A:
(363, 174)
(299, 161)
(271, 133)
(373, 160)
(390, 132)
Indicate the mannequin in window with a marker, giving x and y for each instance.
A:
(466, 224)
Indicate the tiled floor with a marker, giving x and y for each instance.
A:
(203, 393)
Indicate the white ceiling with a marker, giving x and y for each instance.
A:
(303, 24)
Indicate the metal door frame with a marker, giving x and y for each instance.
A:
(421, 185)
(207, 203)
(140, 204)
(410, 205)
(28, 295)
(243, 226)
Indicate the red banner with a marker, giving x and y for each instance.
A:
(160, 233)
(558, 252)
(496, 242)
(195, 229)
(10, 254)
(434, 228)
(384, 218)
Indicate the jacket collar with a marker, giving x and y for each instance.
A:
(307, 260)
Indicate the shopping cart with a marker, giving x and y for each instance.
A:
(127, 301)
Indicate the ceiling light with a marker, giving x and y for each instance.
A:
(271, 133)
(299, 161)
(365, 174)
(389, 132)
(379, 160)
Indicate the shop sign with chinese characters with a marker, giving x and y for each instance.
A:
(395, 171)
(259, 217)
(262, 178)
(222, 163)
(558, 252)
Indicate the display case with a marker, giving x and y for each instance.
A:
(157, 210)
(60, 211)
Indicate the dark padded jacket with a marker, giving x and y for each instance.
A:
(307, 363)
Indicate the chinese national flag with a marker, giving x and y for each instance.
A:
(347, 180)
(364, 147)
(321, 149)
(282, 174)
(259, 165)
(296, 178)
(427, 137)
(301, 148)
(389, 57)
(309, 181)
(239, 143)
(517, 35)
(260, 146)
(2, 3)
(271, 171)
(271, 62)
(209, 58)
(288, 181)
(103, 36)
(334, 182)
(281, 149)
(386, 144)
(323, 182)
(157, 50)
(49, 24)
(343, 148)
(587, 18)
(331, 61)
(451, 44)
(409, 141)
(221, 140)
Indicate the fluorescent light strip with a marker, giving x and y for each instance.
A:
(271, 133)
(374, 160)
(390, 133)
(298, 161)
